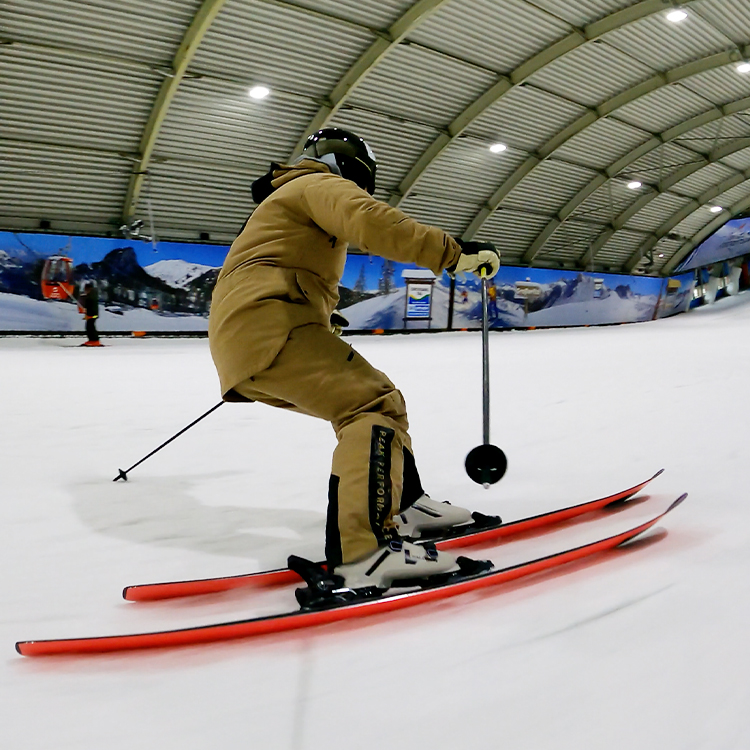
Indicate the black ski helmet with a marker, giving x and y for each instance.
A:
(352, 156)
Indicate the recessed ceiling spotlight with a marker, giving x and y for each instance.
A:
(634, 185)
(677, 15)
(497, 148)
(743, 67)
(259, 92)
(661, 255)
(715, 209)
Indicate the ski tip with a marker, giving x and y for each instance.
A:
(19, 647)
(677, 502)
(658, 473)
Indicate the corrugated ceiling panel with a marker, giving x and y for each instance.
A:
(732, 17)
(512, 232)
(606, 203)
(451, 216)
(189, 199)
(620, 247)
(216, 120)
(736, 194)
(739, 160)
(57, 98)
(667, 248)
(255, 42)
(703, 180)
(656, 212)
(662, 108)
(467, 170)
(378, 14)
(720, 86)
(693, 223)
(602, 143)
(524, 118)
(147, 30)
(549, 187)
(396, 143)
(716, 134)
(421, 85)
(498, 34)
(661, 162)
(571, 75)
(61, 185)
(571, 241)
(582, 12)
(662, 45)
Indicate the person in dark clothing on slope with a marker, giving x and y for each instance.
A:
(89, 303)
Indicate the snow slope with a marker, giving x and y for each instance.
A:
(646, 649)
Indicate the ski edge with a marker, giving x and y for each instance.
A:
(294, 620)
(148, 592)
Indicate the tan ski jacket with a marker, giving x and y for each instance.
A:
(284, 269)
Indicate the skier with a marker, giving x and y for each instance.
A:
(89, 305)
(271, 341)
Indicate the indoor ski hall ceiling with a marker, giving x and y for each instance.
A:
(626, 126)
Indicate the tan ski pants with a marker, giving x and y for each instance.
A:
(317, 373)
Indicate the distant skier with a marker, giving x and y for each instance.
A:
(491, 302)
(89, 303)
(271, 341)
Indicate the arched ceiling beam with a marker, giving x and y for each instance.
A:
(385, 42)
(712, 62)
(618, 223)
(729, 213)
(506, 83)
(617, 167)
(695, 204)
(193, 36)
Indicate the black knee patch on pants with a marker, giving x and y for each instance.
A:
(380, 490)
(412, 490)
(334, 555)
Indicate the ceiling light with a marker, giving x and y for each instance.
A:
(715, 209)
(743, 67)
(259, 92)
(661, 255)
(496, 148)
(634, 185)
(675, 16)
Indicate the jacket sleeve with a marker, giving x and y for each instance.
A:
(349, 213)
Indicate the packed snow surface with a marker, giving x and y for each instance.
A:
(646, 648)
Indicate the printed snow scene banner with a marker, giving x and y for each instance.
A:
(538, 297)
(378, 294)
(166, 287)
(729, 241)
(676, 295)
(142, 287)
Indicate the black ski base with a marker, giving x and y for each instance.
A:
(326, 590)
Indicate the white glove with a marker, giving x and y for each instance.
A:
(475, 256)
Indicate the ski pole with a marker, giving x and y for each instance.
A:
(485, 464)
(124, 474)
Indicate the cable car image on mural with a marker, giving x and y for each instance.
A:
(57, 278)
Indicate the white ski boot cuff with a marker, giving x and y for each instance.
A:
(427, 513)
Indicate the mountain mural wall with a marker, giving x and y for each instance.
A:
(141, 289)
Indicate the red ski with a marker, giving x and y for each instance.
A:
(169, 590)
(308, 618)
